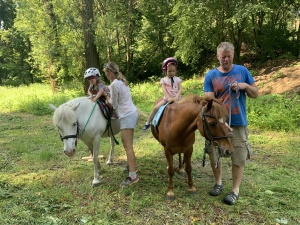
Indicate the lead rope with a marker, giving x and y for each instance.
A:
(237, 91)
(112, 133)
(109, 124)
(88, 119)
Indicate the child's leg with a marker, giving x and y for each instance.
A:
(154, 111)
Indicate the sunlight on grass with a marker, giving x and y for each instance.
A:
(39, 184)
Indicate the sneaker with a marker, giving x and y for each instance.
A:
(146, 126)
(126, 169)
(129, 181)
(216, 190)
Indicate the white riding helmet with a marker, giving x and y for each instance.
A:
(92, 73)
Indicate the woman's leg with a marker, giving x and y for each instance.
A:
(127, 140)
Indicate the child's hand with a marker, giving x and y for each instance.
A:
(171, 100)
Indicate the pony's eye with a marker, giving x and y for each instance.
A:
(74, 124)
(212, 124)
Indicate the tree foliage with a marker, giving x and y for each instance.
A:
(54, 41)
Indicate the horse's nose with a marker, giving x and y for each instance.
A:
(70, 153)
(227, 153)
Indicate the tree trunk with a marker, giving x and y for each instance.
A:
(90, 49)
(54, 55)
(129, 36)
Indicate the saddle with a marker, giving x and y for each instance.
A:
(107, 114)
(104, 108)
(156, 118)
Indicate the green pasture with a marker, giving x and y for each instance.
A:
(40, 185)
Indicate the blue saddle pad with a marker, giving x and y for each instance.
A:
(156, 119)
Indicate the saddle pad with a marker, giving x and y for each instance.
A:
(156, 119)
(104, 108)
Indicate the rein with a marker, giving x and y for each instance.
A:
(88, 119)
(79, 133)
(211, 139)
(237, 96)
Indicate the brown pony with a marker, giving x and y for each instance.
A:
(176, 131)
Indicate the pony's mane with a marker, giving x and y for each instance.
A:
(218, 109)
(64, 112)
(192, 98)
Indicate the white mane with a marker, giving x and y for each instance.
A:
(64, 112)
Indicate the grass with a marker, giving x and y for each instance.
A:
(40, 185)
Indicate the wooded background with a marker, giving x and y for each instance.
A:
(54, 41)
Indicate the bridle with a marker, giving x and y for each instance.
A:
(206, 129)
(80, 132)
(62, 138)
(211, 139)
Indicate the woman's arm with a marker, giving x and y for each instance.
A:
(113, 96)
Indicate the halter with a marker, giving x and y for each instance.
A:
(212, 139)
(79, 133)
(71, 136)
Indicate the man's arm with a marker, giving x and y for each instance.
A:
(251, 90)
(209, 94)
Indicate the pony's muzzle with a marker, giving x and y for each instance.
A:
(227, 153)
(70, 153)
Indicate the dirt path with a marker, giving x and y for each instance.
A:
(281, 76)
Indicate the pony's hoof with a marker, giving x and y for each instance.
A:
(170, 197)
(192, 191)
(109, 163)
(182, 173)
(96, 184)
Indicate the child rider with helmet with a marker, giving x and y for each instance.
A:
(171, 87)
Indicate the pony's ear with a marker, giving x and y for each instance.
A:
(209, 104)
(75, 107)
(52, 107)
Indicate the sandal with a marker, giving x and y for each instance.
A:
(231, 198)
(217, 189)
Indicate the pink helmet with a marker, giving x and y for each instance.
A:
(169, 61)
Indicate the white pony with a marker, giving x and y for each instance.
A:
(82, 118)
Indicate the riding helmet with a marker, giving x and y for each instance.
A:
(92, 73)
(169, 61)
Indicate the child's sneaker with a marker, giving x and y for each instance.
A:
(146, 126)
(129, 181)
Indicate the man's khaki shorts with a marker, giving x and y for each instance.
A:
(242, 149)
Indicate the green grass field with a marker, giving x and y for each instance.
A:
(40, 185)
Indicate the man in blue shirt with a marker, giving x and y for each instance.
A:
(231, 83)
